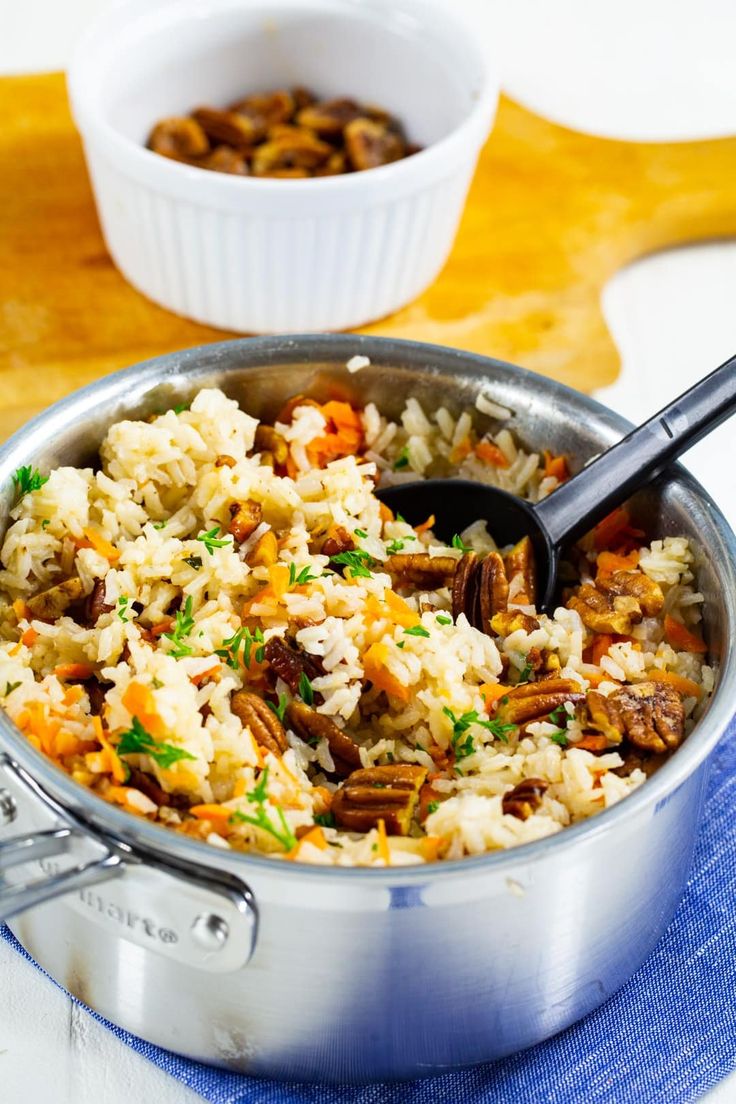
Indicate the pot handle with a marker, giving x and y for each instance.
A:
(19, 896)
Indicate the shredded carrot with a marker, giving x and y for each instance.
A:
(140, 702)
(98, 542)
(401, 611)
(323, 803)
(21, 610)
(684, 686)
(430, 847)
(595, 678)
(162, 627)
(315, 836)
(29, 637)
(608, 562)
(491, 692)
(592, 742)
(73, 694)
(211, 812)
(343, 434)
(239, 787)
(80, 671)
(113, 764)
(556, 466)
(461, 450)
(383, 848)
(374, 666)
(680, 637)
(431, 520)
(615, 529)
(211, 672)
(601, 643)
(65, 743)
(491, 454)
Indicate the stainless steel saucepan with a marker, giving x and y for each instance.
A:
(303, 972)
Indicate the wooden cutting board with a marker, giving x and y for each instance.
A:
(552, 214)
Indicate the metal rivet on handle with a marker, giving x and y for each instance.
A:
(210, 931)
(8, 808)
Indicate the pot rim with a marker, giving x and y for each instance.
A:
(129, 832)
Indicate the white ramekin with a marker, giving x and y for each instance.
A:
(264, 255)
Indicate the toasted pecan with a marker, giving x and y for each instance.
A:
(56, 600)
(179, 138)
(420, 570)
(649, 715)
(255, 714)
(532, 701)
(525, 798)
(312, 726)
(245, 517)
(389, 793)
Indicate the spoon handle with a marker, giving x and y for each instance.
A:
(605, 483)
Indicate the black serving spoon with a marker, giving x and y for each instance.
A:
(576, 506)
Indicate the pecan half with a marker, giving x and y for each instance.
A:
(370, 143)
(254, 713)
(181, 139)
(52, 603)
(649, 715)
(532, 701)
(525, 798)
(312, 726)
(338, 540)
(480, 589)
(329, 117)
(245, 519)
(387, 793)
(335, 164)
(267, 109)
(225, 159)
(290, 664)
(267, 440)
(290, 149)
(510, 621)
(226, 126)
(617, 602)
(265, 551)
(520, 561)
(420, 570)
(95, 605)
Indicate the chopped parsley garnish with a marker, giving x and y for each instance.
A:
(305, 576)
(395, 546)
(122, 610)
(159, 524)
(559, 737)
(157, 684)
(180, 408)
(325, 820)
(211, 542)
(26, 480)
(558, 715)
(193, 561)
(261, 819)
(45, 523)
(279, 709)
(402, 460)
(245, 639)
(462, 740)
(306, 693)
(136, 741)
(401, 518)
(361, 533)
(357, 561)
(401, 644)
(183, 625)
(10, 687)
(525, 672)
(443, 619)
(457, 542)
(432, 807)
(416, 630)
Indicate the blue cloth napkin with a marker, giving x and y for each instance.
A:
(669, 1035)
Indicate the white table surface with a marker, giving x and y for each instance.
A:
(660, 69)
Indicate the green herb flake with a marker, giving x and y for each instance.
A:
(122, 608)
(401, 644)
(280, 709)
(194, 562)
(10, 687)
(402, 460)
(160, 524)
(180, 407)
(401, 518)
(358, 562)
(559, 737)
(157, 684)
(211, 542)
(432, 807)
(462, 740)
(26, 480)
(325, 820)
(136, 741)
(525, 672)
(443, 619)
(183, 625)
(258, 797)
(559, 715)
(45, 523)
(302, 578)
(395, 546)
(416, 630)
(457, 542)
(306, 692)
(361, 533)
